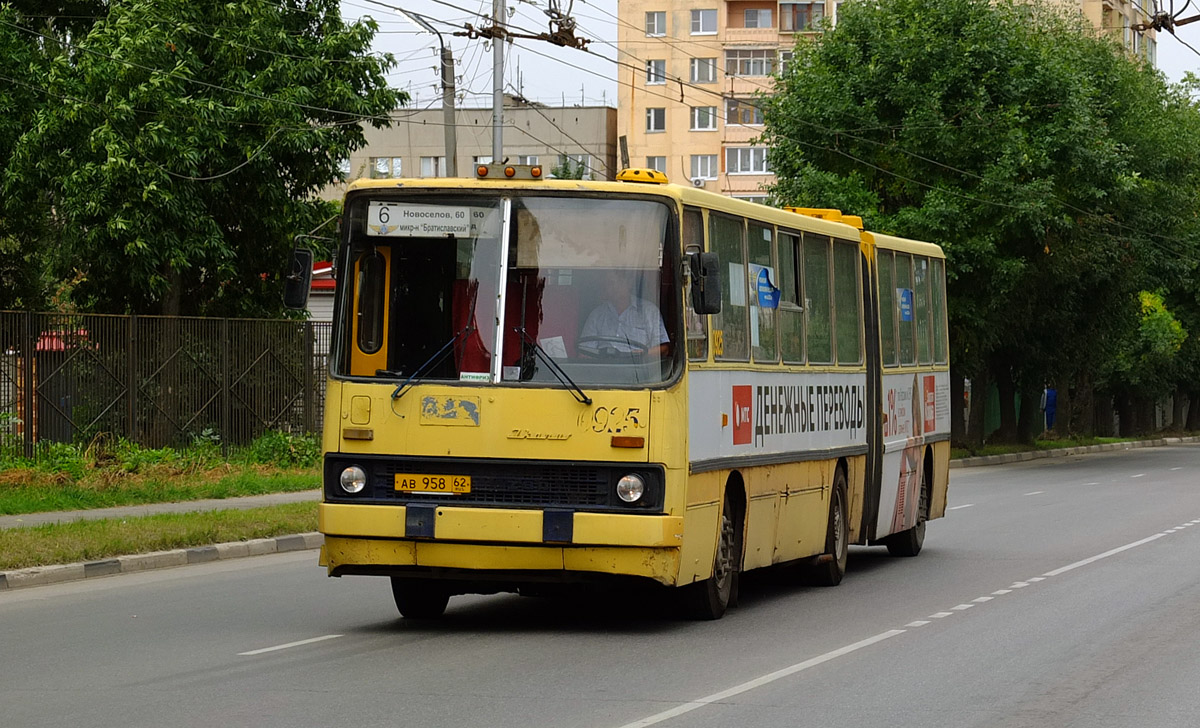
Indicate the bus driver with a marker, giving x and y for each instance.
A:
(623, 323)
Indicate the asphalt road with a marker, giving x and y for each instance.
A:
(1062, 592)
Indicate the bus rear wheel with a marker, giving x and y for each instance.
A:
(710, 598)
(830, 566)
(419, 598)
(909, 542)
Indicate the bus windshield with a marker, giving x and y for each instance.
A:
(585, 286)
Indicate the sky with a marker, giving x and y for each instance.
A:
(542, 72)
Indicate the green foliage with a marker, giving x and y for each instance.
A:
(1060, 176)
(182, 144)
(283, 449)
(568, 169)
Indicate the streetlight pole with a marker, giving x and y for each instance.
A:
(498, 16)
(447, 92)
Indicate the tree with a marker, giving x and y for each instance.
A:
(1014, 138)
(185, 143)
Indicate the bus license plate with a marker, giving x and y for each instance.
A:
(433, 483)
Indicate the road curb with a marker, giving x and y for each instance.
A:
(1020, 457)
(43, 575)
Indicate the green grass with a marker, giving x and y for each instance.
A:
(65, 543)
(31, 490)
(956, 453)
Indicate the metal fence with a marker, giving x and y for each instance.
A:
(156, 380)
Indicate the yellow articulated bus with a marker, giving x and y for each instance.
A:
(538, 381)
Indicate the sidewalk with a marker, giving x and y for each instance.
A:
(180, 557)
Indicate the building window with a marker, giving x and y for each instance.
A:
(746, 160)
(656, 119)
(344, 169)
(704, 118)
(656, 71)
(482, 159)
(704, 70)
(785, 61)
(750, 62)
(704, 166)
(743, 111)
(382, 167)
(658, 164)
(837, 11)
(759, 199)
(758, 19)
(433, 166)
(656, 23)
(527, 159)
(795, 17)
(704, 22)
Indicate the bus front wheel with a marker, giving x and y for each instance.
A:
(830, 566)
(710, 598)
(419, 598)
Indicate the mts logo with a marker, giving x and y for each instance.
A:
(743, 420)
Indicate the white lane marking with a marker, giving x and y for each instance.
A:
(1104, 555)
(291, 644)
(918, 623)
(955, 508)
(1018, 585)
(1171, 530)
(1002, 592)
(1091, 484)
(941, 615)
(1036, 579)
(760, 681)
(981, 600)
(1036, 492)
(1137, 476)
(962, 607)
(1176, 469)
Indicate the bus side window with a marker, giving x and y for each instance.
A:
(904, 304)
(848, 301)
(816, 299)
(922, 310)
(697, 324)
(939, 311)
(726, 239)
(791, 298)
(887, 307)
(764, 282)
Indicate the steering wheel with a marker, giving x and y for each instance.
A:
(607, 347)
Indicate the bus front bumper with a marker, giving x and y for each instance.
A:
(381, 539)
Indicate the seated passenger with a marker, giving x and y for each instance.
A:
(623, 324)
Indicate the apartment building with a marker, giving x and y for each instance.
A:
(685, 107)
(415, 144)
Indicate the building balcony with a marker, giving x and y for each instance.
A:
(751, 36)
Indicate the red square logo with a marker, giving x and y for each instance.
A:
(743, 421)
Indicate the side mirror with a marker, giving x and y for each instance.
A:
(706, 282)
(299, 279)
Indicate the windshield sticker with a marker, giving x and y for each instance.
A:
(474, 377)
(440, 410)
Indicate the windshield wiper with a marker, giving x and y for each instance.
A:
(574, 388)
(429, 363)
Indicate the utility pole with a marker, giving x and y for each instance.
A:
(498, 12)
(447, 67)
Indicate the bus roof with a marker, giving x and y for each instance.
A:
(891, 242)
(686, 195)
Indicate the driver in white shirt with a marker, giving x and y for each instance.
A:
(623, 323)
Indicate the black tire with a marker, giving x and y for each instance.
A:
(830, 566)
(419, 598)
(710, 598)
(909, 542)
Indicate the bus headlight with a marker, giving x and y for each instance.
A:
(353, 479)
(630, 488)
